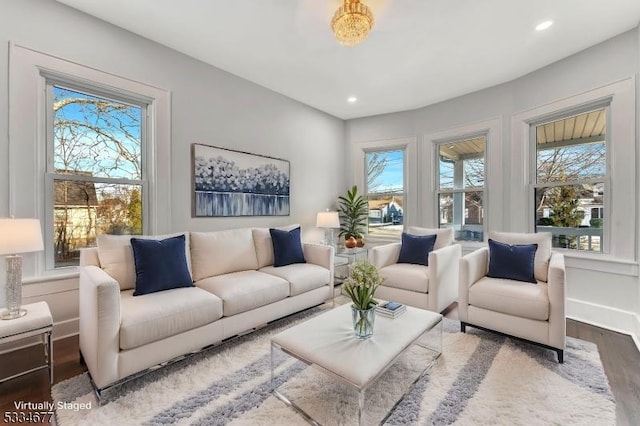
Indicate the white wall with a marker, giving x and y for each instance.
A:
(208, 106)
(602, 290)
(637, 319)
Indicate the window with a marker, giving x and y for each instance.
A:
(460, 194)
(95, 170)
(385, 172)
(570, 179)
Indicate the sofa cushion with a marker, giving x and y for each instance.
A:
(116, 256)
(222, 252)
(160, 265)
(511, 297)
(416, 248)
(406, 276)
(246, 290)
(543, 254)
(302, 277)
(264, 247)
(287, 247)
(155, 316)
(512, 262)
(444, 235)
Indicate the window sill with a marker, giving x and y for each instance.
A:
(599, 262)
(49, 276)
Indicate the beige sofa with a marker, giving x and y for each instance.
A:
(432, 287)
(237, 288)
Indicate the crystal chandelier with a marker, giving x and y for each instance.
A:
(352, 22)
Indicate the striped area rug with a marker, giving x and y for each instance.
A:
(481, 378)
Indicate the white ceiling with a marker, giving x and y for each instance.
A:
(420, 51)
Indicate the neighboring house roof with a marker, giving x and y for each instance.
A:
(384, 202)
(75, 193)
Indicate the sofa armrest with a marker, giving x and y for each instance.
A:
(99, 324)
(443, 276)
(473, 267)
(321, 255)
(384, 255)
(557, 300)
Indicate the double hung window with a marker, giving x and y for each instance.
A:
(95, 174)
(385, 177)
(569, 188)
(460, 187)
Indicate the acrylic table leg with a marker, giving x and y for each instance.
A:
(49, 354)
(272, 367)
(361, 407)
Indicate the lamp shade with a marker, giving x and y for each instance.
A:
(20, 236)
(328, 220)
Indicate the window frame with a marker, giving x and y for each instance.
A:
(366, 192)
(623, 199)
(28, 70)
(533, 184)
(410, 147)
(51, 176)
(494, 199)
(452, 191)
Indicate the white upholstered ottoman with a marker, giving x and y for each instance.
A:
(328, 344)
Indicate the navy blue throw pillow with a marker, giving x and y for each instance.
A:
(416, 248)
(512, 262)
(287, 247)
(160, 265)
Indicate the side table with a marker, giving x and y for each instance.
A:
(37, 322)
(344, 258)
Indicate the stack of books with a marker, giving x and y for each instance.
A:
(391, 309)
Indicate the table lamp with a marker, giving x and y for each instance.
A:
(329, 221)
(17, 236)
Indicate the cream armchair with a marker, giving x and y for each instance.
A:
(532, 312)
(432, 287)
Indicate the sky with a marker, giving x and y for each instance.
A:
(102, 159)
(392, 178)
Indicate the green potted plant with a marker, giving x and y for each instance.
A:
(353, 209)
(361, 286)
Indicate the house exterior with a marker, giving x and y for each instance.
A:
(383, 212)
(75, 217)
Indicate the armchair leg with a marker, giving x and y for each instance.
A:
(560, 356)
(463, 327)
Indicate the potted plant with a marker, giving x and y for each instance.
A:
(360, 286)
(353, 209)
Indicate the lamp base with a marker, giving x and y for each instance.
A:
(13, 289)
(9, 315)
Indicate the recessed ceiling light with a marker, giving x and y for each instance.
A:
(543, 25)
(352, 99)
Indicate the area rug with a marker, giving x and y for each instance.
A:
(480, 378)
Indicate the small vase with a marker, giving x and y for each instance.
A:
(350, 242)
(360, 242)
(363, 321)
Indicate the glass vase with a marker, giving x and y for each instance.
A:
(363, 321)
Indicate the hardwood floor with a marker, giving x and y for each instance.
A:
(621, 361)
(35, 387)
(619, 355)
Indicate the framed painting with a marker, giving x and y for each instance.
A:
(235, 183)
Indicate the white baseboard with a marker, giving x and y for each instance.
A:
(67, 328)
(636, 335)
(613, 319)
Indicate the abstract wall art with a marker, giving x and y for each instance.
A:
(235, 183)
